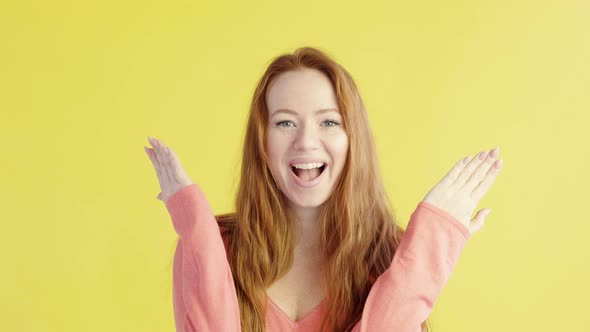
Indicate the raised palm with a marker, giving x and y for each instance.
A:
(459, 192)
(171, 175)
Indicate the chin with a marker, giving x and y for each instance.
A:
(308, 202)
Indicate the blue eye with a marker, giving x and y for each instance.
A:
(286, 124)
(334, 122)
(280, 124)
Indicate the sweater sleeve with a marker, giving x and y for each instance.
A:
(203, 289)
(404, 295)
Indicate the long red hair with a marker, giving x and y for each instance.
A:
(359, 230)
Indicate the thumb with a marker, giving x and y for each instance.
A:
(477, 223)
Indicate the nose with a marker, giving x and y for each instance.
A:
(307, 138)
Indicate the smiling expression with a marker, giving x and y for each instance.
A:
(305, 126)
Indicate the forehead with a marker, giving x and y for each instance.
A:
(303, 91)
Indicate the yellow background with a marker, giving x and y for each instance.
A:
(87, 247)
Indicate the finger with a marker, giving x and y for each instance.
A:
(469, 169)
(158, 168)
(157, 154)
(175, 165)
(161, 149)
(157, 147)
(164, 159)
(151, 155)
(478, 222)
(452, 175)
(155, 163)
(481, 170)
(485, 185)
(164, 149)
(158, 164)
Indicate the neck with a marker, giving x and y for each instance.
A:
(306, 224)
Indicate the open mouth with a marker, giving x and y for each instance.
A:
(308, 174)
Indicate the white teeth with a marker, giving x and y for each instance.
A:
(308, 166)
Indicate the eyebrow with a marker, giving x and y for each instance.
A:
(286, 110)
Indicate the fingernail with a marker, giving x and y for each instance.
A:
(465, 159)
(482, 155)
(494, 152)
(498, 164)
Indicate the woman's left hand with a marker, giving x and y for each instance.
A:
(459, 192)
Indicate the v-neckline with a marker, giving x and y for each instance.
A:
(295, 323)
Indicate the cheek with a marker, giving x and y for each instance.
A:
(340, 148)
(275, 148)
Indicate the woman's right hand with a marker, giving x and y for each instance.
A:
(460, 191)
(171, 175)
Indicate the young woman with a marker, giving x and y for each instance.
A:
(313, 244)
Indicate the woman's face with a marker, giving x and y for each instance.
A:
(305, 131)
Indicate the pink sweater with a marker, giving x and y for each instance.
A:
(401, 299)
